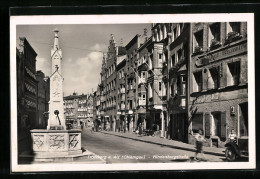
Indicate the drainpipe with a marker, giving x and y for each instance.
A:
(188, 81)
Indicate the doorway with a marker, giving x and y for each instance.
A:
(243, 119)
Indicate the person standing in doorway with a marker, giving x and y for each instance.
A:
(140, 130)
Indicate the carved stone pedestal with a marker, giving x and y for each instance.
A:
(51, 144)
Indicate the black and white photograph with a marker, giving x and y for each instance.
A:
(132, 92)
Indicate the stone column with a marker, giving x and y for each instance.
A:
(131, 124)
(125, 123)
(114, 124)
(136, 120)
(163, 127)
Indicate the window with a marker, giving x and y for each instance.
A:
(216, 124)
(179, 30)
(213, 80)
(150, 91)
(144, 97)
(159, 60)
(174, 33)
(172, 90)
(164, 93)
(233, 27)
(179, 54)
(233, 72)
(173, 60)
(198, 39)
(131, 104)
(197, 123)
(197, 81)
(160, 86)
(183, 85)
(214, 34)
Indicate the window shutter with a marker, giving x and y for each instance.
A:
(207, 124)
(243, 72)
(223, 75)
(223, 124)
(205, 79)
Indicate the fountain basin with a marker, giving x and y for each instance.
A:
(56, 143)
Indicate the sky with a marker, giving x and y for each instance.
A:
(81, 62)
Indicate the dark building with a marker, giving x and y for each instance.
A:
(79, 109)
(102, 87)
(157, 89)
(121, 98)
(71, 109)
(131, 82)
(43, 98)
(218, 81)
(141, 108)
(108, 86)
(26, 86)
(177, 64)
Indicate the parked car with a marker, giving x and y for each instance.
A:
(149, 133)
(69, 126)
(237, 148)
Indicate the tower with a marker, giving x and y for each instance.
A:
(56, 111)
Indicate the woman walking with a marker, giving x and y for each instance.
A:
(199, 145)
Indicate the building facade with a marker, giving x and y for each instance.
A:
(108, 86)
(157, 89)
(131, 83)
(177, 65)
(43, 98)
(142, 74)
(79, 109)
(26, 86)
(218, 81)
(121, 98)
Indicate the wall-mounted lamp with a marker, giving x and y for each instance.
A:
(232, 110)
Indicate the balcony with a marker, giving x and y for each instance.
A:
(183, 103)
(141, 102)
(123, 97)
(215, 44)
(102, 98)
(122, 90)
(122, 107)
(130, 94)
(198, 50)
(232, 37)
(141, 80)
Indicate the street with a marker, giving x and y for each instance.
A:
(114, 149)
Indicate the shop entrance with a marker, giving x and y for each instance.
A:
(243, 119)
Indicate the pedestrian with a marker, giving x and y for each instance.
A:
(140, 129)
(92, 127)
(232, 136)
(199, 145)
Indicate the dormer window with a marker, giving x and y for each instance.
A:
(233, 27)
(214, 34)
(198, 41)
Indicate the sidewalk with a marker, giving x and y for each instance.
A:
(166, 142)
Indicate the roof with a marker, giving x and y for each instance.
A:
(121, 51)
(132, 42)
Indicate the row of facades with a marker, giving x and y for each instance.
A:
(33, 90)
(185, 77)
(79, 109)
